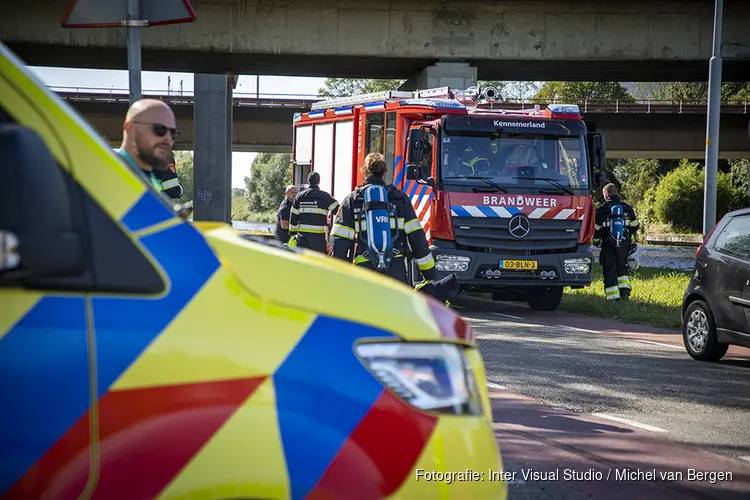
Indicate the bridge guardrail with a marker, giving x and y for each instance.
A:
(303, 101)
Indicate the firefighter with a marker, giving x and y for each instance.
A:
(170, 182)
(281, 232)
(472, 161)
(308, 218)
(615, 226)
(349, 226)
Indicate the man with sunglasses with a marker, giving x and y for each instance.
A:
(148, 135)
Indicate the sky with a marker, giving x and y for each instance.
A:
(156, 81)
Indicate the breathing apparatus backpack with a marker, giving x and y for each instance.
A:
(377, 217)
(617, 224)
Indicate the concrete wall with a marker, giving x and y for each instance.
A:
(626, 135)
(255, 130)
(627, 40)
(670, 135)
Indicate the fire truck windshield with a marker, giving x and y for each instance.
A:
(515, 160)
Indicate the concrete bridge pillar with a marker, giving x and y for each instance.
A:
(454, 74)
(212, 154)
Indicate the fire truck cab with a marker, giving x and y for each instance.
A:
(504, 195)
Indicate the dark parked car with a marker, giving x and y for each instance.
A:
(716, 305)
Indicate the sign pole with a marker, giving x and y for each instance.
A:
(712, 127)
(133, 24)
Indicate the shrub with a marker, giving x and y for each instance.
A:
(678, 200)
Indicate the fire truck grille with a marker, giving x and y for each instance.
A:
(545, 236)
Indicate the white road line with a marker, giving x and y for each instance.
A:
(658, 343)
(509, 316)
(497, 386)
(578, 329)
(631, 423)
(745, 458)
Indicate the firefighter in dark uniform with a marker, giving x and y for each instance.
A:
(349, 226)
(170, 183)
(613, 257)
(308, 218)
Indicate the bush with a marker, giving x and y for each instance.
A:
(678, 200)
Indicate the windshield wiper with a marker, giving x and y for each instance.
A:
(555, 182)
(486, 180)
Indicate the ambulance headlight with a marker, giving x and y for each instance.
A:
(429, 376)
(452, 263)
(580, 265)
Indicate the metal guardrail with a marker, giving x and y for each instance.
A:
(303, 101)
(122, 96)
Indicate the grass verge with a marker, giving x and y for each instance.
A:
(655, 300)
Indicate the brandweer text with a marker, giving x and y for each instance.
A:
(520, 200)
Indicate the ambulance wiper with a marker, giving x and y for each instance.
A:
(555, 182)
(486, 180)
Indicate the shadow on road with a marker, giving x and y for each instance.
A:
(608, 373)
(592, 459)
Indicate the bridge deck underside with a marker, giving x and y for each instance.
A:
(638, 135)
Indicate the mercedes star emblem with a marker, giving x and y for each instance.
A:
(519, 226)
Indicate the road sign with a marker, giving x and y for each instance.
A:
(133, 14)
(114, 13)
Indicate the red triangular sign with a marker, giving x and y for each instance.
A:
(110, 14)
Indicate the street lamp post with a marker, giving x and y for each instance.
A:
(134, 49)
(712, 126)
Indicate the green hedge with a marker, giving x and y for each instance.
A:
(678, 199)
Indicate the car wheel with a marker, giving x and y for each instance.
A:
(699, 333)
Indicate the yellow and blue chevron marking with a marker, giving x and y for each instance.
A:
(46, 352)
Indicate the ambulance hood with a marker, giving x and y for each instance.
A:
(316, 283)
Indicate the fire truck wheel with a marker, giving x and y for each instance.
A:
(545, 298)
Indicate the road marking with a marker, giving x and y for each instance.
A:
(578, 329)
(509, 316)
(496, 386)
(631, 423)
(658, 343)
(745, 458)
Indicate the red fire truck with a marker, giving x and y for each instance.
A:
(504, 196)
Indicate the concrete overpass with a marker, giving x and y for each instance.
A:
(622, 40)
(264, 124)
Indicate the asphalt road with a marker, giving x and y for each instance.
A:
(589, 402)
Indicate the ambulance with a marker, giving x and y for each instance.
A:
(143, 356)
(503, 194)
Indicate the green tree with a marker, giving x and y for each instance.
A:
(678, 200)
(184, 168)
(240, 209)
(690, 91)
(269, 174)
(575, 92)
(344, 87)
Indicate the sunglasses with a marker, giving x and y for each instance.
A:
(161, 130)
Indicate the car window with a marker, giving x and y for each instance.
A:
(734, 240)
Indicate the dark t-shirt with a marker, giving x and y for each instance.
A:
(285, 208)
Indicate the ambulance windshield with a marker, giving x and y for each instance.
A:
(536, 161)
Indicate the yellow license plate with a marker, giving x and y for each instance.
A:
(518, 264)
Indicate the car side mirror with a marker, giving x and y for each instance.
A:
(600, 178)
(415, 153)
(37, 233)
(429, 182)
(597, 151)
